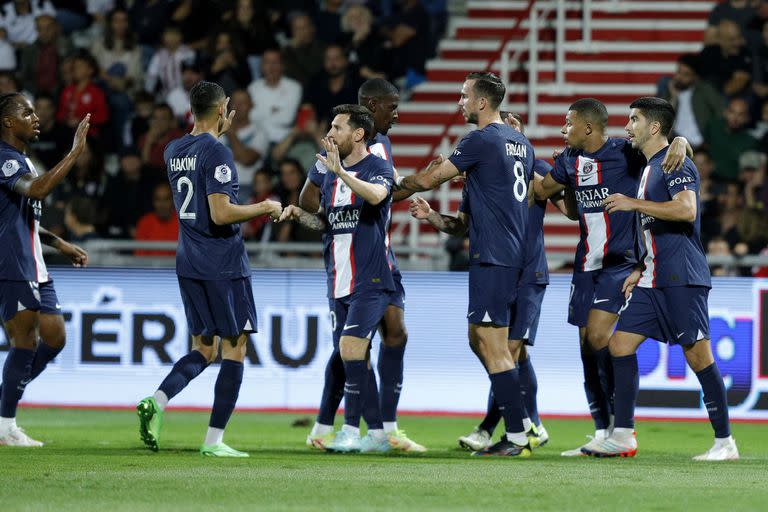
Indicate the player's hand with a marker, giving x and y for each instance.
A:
(331, 160)
(675, 156)
(461, 178)
(290, 212)
(512, 122)
(419, 208)
(226, 123)
(275, 208)
(618, 203)
(556, 153)
(76, 255)
(630, 282)
(81, 135)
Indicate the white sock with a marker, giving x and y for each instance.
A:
(377, 433)
(352, 430)
(390, 426)
(214, 436)
(723, 441)
(7, 423)
(161, 398)
(601, 433)
(320, 430)
(527, 424)
(519, 438)
(623, 434)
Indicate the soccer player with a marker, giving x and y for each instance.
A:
(666, 296)
(212, 267)
(29, 307)
(381, 98)
(356, 201)
(595, 166)
(498, 163)
(525, 317)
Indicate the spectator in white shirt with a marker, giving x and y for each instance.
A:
(275, 97)
(164, 71)
(178, 98)
(7, 53)
(18, 17)
(246, 139)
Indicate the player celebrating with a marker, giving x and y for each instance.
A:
(356, 200)
(29, 306)
(666, 298)
(212, 266)
(498, 163)
(595, 166)
(525, 317)
(381, 98)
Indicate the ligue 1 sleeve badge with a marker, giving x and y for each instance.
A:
(10, 167)
(223, 174)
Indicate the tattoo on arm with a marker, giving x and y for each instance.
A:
(49, 238)
(310, 221)
(447, 223)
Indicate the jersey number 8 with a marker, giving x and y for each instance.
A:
(183, 213)
(521, 184)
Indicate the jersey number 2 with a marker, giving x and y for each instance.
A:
(183, 213)
(521, 185)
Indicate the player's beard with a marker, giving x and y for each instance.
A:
(471, 118)
(345, 149)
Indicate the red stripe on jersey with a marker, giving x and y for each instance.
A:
(586, 241)
(333, 196)
(352, 262)
(32, 243)
(600, 175)
(607, 234)
(653, 244)
(333, 264)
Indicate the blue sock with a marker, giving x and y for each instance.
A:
(492, 415)
(506, 390)
(354, 391)
(333, 389)
(627, 379)
(593, 390)
(715, 399)
(226, 391)
(185, 369)
(529, 387)
(43, 355)
(371, 410)
(605, 367)
(391, 375)
(16, 372)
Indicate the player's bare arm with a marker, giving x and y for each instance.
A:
(39, 187)
(309, 197)
(675, 157)
(370, 192)
(546, 188)
(306, 219)
(569, 205)
(682, 207)
(437, 172)
(225, 212)
(631, 281)
(457, 225)
(76, 255)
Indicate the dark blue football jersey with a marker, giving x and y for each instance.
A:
(21, 254)
(498, 163)
(674, 255)
(198, 166)
(605, 240)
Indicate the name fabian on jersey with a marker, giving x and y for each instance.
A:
(344, 219)
(518, 150)
(186, 163)
(592, 198)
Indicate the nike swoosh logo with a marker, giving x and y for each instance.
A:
(598, 301)
(472, 313)
(351, 326)
(680, 335)
(58, 306)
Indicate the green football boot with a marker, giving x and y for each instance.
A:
(220, 450)
(150, 422)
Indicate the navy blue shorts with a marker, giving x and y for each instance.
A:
(492, 294)
(677, 315)
(359, 314)
(525, 314)
(397, 297)
(222, 308)
(18, 296)
(597, 289)
(49, 301)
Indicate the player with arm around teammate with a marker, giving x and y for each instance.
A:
(666, 297)
(212, 267)
(30, 310)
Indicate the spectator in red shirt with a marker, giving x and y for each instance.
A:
(162, 130)
(161, 224)
(83, 96)
(260, 228)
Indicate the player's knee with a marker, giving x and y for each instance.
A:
(396, 339)
(207, 346)
(353, 349)
(699, 355)
(598, 338)
(515, 347)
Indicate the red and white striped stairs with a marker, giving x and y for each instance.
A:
(633, 43)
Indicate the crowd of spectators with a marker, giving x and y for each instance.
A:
(721, 98)
(131, 64)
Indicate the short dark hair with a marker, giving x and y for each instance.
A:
(691, 60)
(359, 117)
(656, 110)
(490, 87)
(204, 97)
(83, 209)
(7, 102)
(164, 106)
(592, 110)
(375, 88)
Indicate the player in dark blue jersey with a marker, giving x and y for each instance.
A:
(525, 320)
(666, 297)
(498, 163)
(212, 267)
(594, 166)
(29, 306)
(356, 200)
(381, 98)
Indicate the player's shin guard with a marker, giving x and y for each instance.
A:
(226, 391)
(391, 375)
(185, 369)
(627, 379)
(529, 387)
(354, 391)
(492, 414)
(333, 389)
(506, 389)
(371, 410)
(605, 367)
(594, 391)
(16, 375)
(715, 399)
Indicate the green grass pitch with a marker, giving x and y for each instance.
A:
(93, 460)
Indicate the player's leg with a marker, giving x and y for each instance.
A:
(375, 440)
(19, 308)
(529, 388)
(600, 326)
(52, 330)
